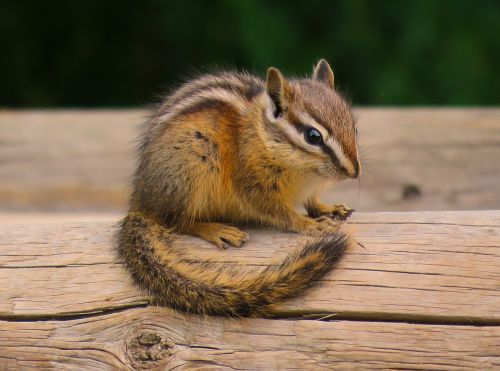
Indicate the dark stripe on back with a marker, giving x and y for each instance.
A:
(205, 104)
(251, 88)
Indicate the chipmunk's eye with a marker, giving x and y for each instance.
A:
(313, 137)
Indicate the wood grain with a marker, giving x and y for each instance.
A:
(414, 159)
(433, 266)
(175, 341)
(423, 294)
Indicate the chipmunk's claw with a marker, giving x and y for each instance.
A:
(341, 212)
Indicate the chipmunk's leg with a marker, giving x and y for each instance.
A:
(296, 222)
(219, 234)
(285, 217)
(338, 212)
(312, 226)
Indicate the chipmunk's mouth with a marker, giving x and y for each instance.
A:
(331, 174)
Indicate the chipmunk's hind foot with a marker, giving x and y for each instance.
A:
(220, 235)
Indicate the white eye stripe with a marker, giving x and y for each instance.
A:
(339, 152)
(306, 119)
(288, 129)
(328, 140)
(298, 138)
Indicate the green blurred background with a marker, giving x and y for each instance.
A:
(123, 53)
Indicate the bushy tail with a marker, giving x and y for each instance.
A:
(218, 288)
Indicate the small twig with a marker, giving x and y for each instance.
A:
(327, 316)
(360, 244)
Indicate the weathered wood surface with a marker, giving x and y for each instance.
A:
(415, 159)
(440, 264)
(176, 341)
(423, 293)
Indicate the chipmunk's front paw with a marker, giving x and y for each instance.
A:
(335, 212)
(341, 212)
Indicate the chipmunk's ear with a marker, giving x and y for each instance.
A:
(323, 73)
(278, 90)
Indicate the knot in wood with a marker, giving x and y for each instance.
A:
(147, 349)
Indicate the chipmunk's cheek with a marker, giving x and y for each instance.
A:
(327, 172)
(337, 175)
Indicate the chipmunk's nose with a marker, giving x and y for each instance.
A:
(356, 169)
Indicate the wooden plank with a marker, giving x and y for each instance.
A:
(67, 159)
(438, 267)
(174, 341)
(427, 159)
(415, 159)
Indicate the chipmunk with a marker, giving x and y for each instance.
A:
(232, 148)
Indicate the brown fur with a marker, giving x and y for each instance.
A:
(231, 148)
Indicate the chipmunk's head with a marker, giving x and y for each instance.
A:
(312, 125)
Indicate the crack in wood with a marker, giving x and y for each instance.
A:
(70, 316)
(290, 315)
(392, 318)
